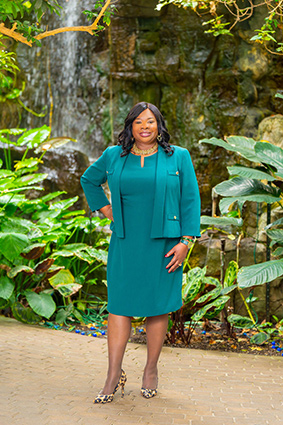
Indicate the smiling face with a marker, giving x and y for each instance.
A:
(145, 129)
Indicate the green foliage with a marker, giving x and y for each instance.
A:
(241, 188)
(202, 299)
(42, 264)
(240, 321)
(217, 26)
(268, 34)
(27, 15)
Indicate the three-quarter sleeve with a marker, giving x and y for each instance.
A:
(91, 182)
(190, 198)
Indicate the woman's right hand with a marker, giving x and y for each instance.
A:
(107, 211)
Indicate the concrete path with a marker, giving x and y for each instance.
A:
(51, 377)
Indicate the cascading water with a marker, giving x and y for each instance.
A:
(62, 72)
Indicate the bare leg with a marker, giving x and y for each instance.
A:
(156, 327)
(118, 333)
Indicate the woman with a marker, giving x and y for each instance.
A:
(155, 214)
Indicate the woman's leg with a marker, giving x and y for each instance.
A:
(156, 327)
(118, 333)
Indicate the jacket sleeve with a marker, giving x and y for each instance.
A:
(91, 182)
(190, 198)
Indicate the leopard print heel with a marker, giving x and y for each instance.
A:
(149, 393)
(107, 398)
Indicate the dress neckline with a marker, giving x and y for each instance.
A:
(143, 156)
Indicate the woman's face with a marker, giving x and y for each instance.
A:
(144, 128)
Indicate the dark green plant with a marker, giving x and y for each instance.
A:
(203, 298)
(260, 183)
(45, 254)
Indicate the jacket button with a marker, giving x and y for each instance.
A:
(107, 172)
(177, 172)
(175, 217)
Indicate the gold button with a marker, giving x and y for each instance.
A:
(107, 172)
(177, 172)
(175, 217)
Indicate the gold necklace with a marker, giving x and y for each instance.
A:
(138, 151)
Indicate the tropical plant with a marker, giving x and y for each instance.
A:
(44, 257)
(203, 298)
(249, 184)
(262, 184)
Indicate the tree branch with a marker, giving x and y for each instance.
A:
(13, 34)
(85, 28)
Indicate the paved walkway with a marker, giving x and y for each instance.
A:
(50, 377)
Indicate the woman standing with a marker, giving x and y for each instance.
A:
(155, 214)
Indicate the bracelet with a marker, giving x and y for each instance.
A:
(186, 240)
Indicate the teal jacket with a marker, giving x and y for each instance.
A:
(176, 210)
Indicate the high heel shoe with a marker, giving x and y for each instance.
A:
(107, 398)
(149, 393)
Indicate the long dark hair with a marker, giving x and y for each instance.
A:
(125, 137)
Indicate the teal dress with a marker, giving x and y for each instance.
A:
(139, 284)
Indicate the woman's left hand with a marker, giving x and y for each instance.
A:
(179, 253)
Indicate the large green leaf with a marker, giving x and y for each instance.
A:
(216, 304)
(240, 321)
(64, 205)
(33, 138)
(98, 254)
(275, 234)
(208, 280)
(12, 244)
(250, 173)
(270, 154)
(6, 287)
(244, 146)
(68, 289)
(16, 225)
(239, 186)
(42, 303)
(231, 274)
(52, 195)
(228, 289)
(18, 269)
(193, 283)
(278, 251)
(258, 274)
(225, 203)
(221, 221)
(211, 295)
(28, 179)
(62, 278)
(241, 145)
(24, 314)
(5, 173)
(259, 338)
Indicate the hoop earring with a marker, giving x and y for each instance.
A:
(159, 138)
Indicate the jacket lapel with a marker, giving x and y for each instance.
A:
(116, 196)
(159, 199)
